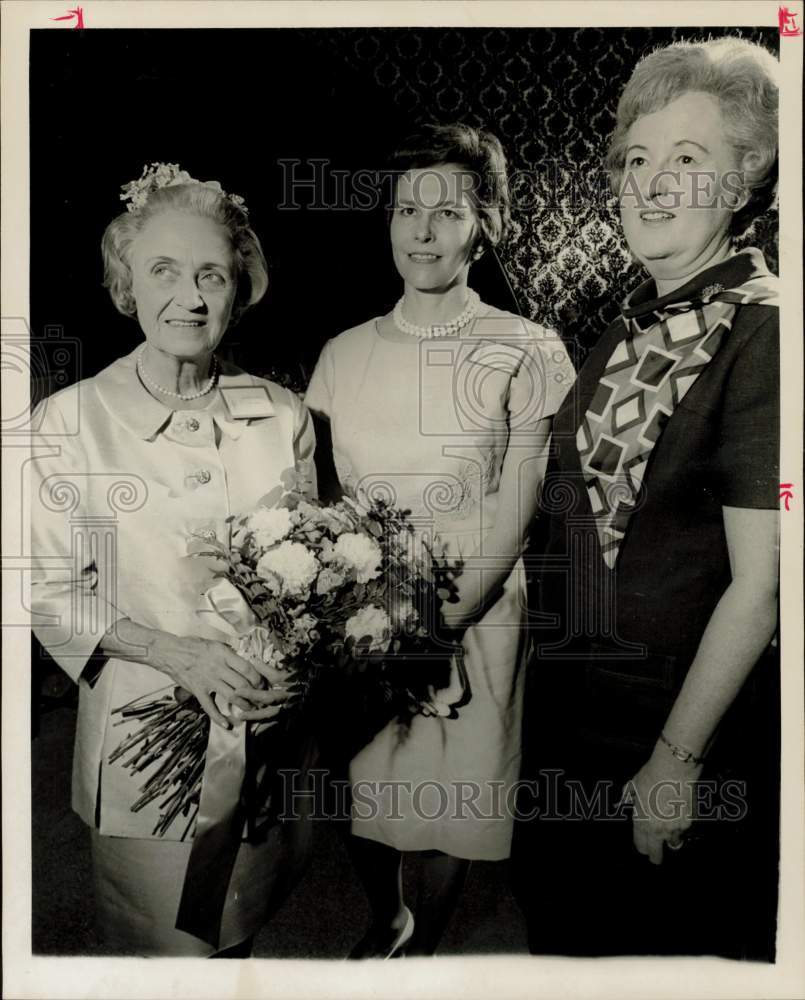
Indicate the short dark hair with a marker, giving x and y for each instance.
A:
(473, 150)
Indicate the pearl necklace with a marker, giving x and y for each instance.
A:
(449, 329)
(187, 396)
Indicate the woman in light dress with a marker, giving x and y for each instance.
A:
(444, 406)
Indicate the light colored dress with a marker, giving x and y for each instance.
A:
(426, 425)
(119, 482)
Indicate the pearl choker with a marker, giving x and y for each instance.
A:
(449, 329)
(186, 397)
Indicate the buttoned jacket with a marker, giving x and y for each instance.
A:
(119, 484)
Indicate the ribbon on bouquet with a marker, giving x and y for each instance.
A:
(221, 813)
(446, 701)
(224, 607)
(221, 816)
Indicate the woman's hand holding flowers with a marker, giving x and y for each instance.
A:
(361, 602)
(273, 699)
(206, 668)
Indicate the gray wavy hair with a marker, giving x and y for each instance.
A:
(742, 76)
(194, 199)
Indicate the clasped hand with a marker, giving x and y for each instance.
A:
(207, 668)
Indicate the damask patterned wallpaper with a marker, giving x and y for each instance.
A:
(550, 96)
(340, 97)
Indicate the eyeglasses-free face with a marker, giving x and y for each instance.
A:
(434, 228)
(680, 188)
(184, 283)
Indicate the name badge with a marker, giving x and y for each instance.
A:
(247, 402)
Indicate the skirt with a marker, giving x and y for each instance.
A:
(446, 784)
(138, 886)
(591, 724)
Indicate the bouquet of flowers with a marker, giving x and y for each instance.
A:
(303, 589)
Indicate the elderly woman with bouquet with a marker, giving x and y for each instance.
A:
(166, 443)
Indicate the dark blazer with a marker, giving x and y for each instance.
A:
(719, 448)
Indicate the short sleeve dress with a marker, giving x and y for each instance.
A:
(426, 425)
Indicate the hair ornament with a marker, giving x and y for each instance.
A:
(162, 175)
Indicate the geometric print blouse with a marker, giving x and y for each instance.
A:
(647, 375)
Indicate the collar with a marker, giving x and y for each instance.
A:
(644, 308)
(130, 404)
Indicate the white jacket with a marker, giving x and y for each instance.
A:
(119, 483)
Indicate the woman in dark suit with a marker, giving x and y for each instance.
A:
(658, 597)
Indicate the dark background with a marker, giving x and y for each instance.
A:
(229, 104)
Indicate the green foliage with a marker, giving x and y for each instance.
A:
(412, 658)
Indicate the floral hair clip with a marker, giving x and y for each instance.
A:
(162, 175)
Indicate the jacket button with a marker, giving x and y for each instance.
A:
(203, 476)
(193, 424)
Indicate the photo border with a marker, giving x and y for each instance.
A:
(31, 976)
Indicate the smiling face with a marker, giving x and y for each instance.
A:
(184, 283)
(680, 188)
(434, 227)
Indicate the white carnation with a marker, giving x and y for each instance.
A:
(269, 525)
(371, 621)
(358, 552)
(294, 565)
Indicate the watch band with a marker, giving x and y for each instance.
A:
(681, 753)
